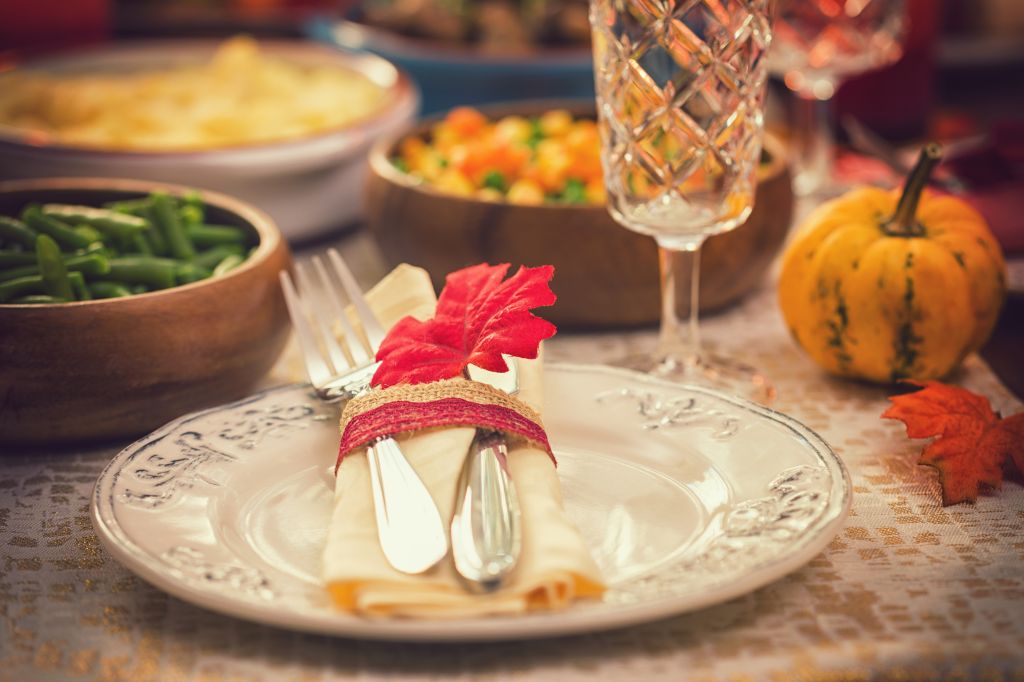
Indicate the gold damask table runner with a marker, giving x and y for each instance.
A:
(907, 590)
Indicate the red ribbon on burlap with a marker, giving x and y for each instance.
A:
(406, 408)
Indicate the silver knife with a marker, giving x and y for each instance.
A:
(486, 528)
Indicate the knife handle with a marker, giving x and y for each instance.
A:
(486, 534)
(409, 525)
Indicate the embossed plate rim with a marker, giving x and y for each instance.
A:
(583, 617)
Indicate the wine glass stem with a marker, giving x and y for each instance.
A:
(679, 341)
(814, 144)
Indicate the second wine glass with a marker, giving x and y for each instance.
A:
(817, 44)
(680, 95)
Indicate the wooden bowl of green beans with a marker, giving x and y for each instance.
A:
(125, 304)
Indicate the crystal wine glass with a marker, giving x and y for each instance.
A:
(680, 94)
(816, 44)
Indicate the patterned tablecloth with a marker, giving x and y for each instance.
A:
(907, 590)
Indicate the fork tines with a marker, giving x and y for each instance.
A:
(317, 308)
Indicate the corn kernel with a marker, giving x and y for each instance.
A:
(556, 123)
(489, 194)
(444, 137)
(454, 182)
(583, 138)
(430, 165)
(512, 129)
(525, 192)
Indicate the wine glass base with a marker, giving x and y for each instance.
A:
(820, 188)
(711, 370)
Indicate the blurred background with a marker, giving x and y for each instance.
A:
(945, 70)
(957, 75)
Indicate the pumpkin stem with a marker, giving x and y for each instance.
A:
(904, 222)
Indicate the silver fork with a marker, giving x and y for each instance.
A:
(409, 525)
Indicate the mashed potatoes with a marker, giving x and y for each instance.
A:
(240, 97)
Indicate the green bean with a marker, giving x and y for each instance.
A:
(91, 264)
(16, 232)
(13, 288)
(157, 273)
(64, 252)
(166, 219)
(190, 215)
(20, 271)
(89, 233)
(121, 225)
(60, 232)
(227, 265)
(9, 258)
(192, 211)
(39, 299)
(79, 287)
(155, 237)
(205, 236)
(195, 199)
(108, 290)
(52, 268)
(141, 245)
(211, 257)
(186, 273)
(137, 207)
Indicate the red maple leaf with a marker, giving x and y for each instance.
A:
(972, 442)
(480, 315)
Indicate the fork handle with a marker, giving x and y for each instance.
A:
(409, 524)
(486, 527)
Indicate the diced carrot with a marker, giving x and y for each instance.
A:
(465, 121)
(510, 158)
(586, 166)
(412, 146)
(583, 138)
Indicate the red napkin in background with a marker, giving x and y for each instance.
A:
(994, 175)
(36, 26)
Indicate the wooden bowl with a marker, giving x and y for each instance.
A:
(105, 369)
(605, 275)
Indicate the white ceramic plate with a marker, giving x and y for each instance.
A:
(686, 498)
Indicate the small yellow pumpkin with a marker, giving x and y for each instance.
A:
(885, 286)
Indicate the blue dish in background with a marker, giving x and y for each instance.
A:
(450, 76)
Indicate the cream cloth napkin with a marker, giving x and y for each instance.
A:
(555, 566)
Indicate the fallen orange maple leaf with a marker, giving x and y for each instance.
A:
(971, 443)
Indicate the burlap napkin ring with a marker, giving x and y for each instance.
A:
(405, 408)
